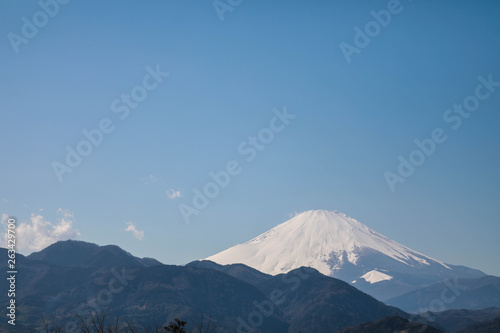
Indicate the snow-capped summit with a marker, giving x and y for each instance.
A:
(324, 240)
(342, 247)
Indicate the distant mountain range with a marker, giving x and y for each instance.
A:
(308, 297)
(341, 247)
(70, 278)
(61, 289)
(58, 288)
(471, 294)
(458, 320)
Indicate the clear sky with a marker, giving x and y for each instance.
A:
(361, 92)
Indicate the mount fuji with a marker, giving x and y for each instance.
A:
(341, 247)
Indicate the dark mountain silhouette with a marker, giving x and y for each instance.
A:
(142, 295)
(69, 278)
(239, 271)
(447, 321)
(313, 302)
(485, 327)
(393, 324)
(73, 253)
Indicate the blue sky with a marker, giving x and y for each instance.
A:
(225, 78)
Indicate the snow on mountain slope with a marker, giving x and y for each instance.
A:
(313, 239)
(376, 276)
(339, 246)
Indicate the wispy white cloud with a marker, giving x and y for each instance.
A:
(173, 194)
(38, 233)
(151, 179)
(139, 234)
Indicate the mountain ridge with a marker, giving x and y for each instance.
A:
(472, 294)
(73, 253)
(287, 303)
